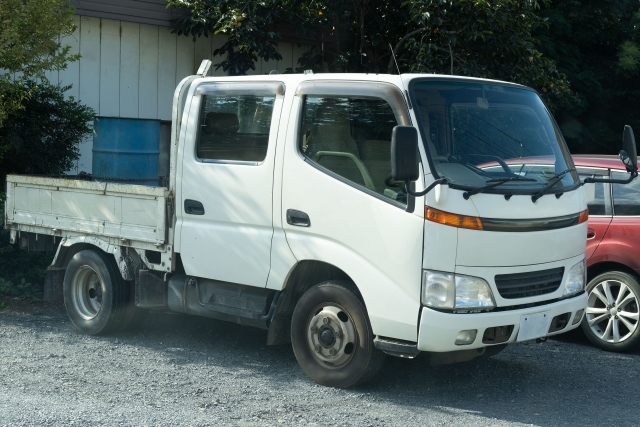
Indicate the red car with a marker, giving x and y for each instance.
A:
(613, 255)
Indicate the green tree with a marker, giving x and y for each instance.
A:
(596, 45)
(30, 32)
(43, 135)
(487, 38)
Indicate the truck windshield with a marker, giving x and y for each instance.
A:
(475, 133)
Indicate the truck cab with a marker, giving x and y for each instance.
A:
(355, 215)
(294, 172)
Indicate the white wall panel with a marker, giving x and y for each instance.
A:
(148, 93)
(167, 63)
(89, 65)
(71, 74)
(129, 69)
(202, 51)
(110, 68)
(185, 58)
(88, 81)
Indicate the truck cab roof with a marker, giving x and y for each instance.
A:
(400, 80)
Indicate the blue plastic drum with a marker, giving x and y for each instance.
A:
(126, 148)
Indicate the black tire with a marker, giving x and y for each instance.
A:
(96, 297)
(597, 331)
(357, 359)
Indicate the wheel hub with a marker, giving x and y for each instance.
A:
(327, 338)
(87, 292)
(332, 336)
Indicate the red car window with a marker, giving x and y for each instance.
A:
(626, 197)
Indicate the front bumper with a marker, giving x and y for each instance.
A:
(438, 330)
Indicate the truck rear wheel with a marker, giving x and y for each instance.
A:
(95, 295)
(332, 337)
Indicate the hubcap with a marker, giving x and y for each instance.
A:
(331, 336)
(86, 292)
(612, 311)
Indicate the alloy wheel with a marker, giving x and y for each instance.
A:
(612, 311)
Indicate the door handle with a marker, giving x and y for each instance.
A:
(298, 218)
(193, 207)
(591, 233)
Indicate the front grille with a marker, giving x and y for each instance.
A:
(522, 285)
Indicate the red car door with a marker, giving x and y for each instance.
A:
(622, 239)
(598, 226)
(600, 211)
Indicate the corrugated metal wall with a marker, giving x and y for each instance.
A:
(130, 69)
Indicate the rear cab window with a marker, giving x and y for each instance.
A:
(235, 120)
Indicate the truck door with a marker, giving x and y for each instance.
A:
(339, 205)
(225, 217)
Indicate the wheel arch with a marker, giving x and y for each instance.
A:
(303, 275)
(603, 267)
(69, 247)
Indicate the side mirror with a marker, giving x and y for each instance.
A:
(404, 154)
(628, 155)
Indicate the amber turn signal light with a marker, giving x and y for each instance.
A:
(584, 216)
(454, 220)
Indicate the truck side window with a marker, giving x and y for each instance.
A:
(235, 127)
(626, 197)
(351, 137)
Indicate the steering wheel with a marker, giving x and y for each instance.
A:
(390, 182)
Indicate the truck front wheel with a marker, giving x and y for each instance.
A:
(95, 294)
(332, 337)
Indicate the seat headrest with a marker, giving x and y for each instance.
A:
(220, 123)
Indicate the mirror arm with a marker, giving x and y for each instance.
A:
(590, 180)
(426, 190)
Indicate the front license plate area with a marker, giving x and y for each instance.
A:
(534, 326)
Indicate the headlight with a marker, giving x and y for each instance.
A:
(438, 289)
(446, 290)
(473, 292)
(575, 279)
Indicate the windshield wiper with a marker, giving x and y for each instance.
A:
(496, 182)
(553, 181)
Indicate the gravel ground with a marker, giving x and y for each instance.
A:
(180, 370)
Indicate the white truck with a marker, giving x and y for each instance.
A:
(352, 215)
